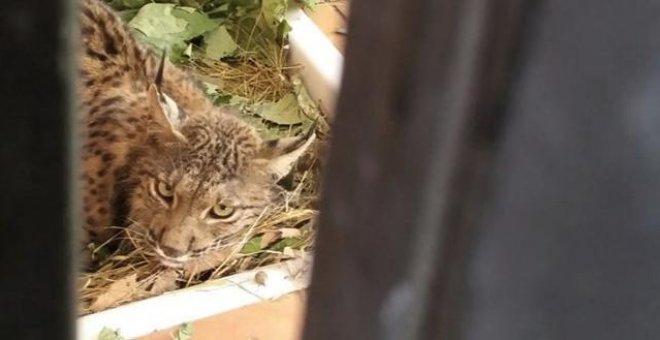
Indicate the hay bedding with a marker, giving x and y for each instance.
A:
(254, 81)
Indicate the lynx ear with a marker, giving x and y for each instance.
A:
(165, 108)
(281, 154)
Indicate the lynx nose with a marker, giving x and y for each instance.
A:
(170, 252)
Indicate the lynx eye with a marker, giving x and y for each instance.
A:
(221, 211)
(162, 189)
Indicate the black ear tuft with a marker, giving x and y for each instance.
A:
(159, 75)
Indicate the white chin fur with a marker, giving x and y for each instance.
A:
(170, 263)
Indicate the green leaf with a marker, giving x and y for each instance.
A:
(246, 8)
(283, 112)
(238, 102)
(219, 44)
(211, 91)
(109, 334)
(166, 26)
(291, 242)
(159, 28)
(265, 130)
(156, 21)
(185, 332)
(252, 246)
(307, 105)
(309, 4)
(209, 88)
(274, 12)
(198, 23)
(283, 30)
(222, 98)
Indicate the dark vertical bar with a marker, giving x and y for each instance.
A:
(35, 235)
(419, 113)
(568, 243)
(494, 174)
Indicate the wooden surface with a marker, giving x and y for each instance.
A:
(332, 18)
(269, 320)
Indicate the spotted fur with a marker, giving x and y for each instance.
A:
(144, 139)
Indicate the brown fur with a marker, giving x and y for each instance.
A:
(133, 146)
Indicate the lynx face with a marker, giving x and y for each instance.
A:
(159, 158)
(198, 188)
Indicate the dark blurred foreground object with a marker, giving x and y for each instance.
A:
(35, 224)
(495, 174)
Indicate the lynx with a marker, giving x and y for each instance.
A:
(159, 158)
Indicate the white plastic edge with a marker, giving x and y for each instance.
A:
(321, 61)
(194, 303)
